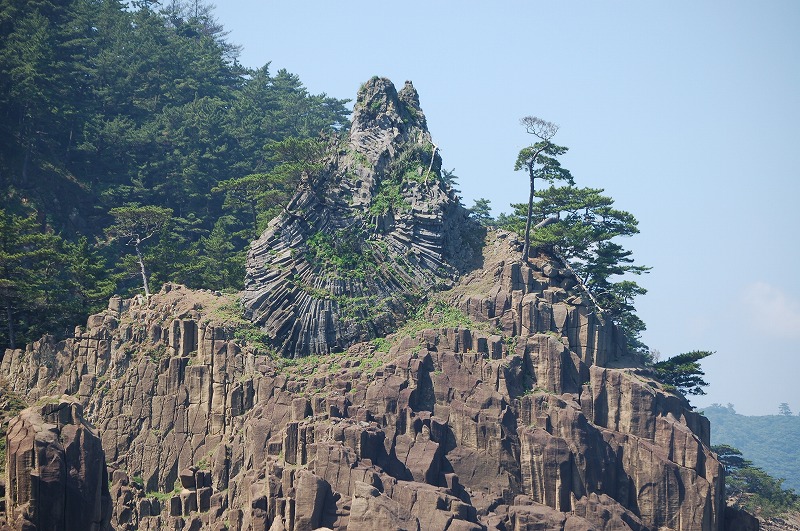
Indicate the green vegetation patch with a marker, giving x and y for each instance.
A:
(752, 488)
(436, 314)
(345, 252)
(231, 316)
(772, 442)
(415, 163)
(389, 197)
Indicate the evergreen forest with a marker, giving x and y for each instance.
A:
(130, 135)
(772, 442)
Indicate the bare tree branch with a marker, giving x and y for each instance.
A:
(540, 128)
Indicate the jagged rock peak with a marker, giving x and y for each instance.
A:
(386, 124)
(375, 231)
(379, 104)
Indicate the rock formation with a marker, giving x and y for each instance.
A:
(378, 228)
(516, 421)
(57, 478)
(508, 404)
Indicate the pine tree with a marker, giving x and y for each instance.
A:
(683, 372)
(31, 281)
(133, 226)
(581, 224)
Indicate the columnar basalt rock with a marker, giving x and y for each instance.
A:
(57, 477)
(381, 201)
(529, 414)
(452, 428)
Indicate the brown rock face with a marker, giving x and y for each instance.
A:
(509, 405)
(380, 226)
(57, 477)
(464, 426)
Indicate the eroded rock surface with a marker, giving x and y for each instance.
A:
(377, 228)
(527, 418)
(511, 404)
(57, 478)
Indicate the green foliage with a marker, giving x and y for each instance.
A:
(381, 344)
(47, 284)
(584, 226)
(344, 252)
(730, 457)
(481, 211)
(683, 372)
(264, 194)
(219, 262)
(580, 223)
(540, 161)
(106, 104)
(772, 442)
(415, 162)
(231, 316)
(388, 198)
(753, 488)
(133, 225)
(436, 314)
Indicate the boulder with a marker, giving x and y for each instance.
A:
(57, 476)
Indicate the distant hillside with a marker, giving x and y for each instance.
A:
(771, 442)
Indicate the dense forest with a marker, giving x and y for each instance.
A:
(133, 128)
(772, 442)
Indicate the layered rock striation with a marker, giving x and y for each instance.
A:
(57, 477)
(519, 415)
(375, 230)
(508, 404)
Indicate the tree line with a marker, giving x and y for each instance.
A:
(110, 112)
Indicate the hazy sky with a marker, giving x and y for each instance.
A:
(686, 112)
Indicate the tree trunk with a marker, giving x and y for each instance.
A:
(10, 320)
(144, 273)
(526, 248)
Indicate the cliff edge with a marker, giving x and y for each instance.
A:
(502, 402)
(506, 416)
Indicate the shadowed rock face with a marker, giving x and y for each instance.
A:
(57, 478)
(375, 230)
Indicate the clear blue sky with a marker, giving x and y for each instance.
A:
(687, 113)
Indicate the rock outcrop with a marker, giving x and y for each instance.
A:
(506, 421)
(508, 404)
(57, 478)
(377, 228)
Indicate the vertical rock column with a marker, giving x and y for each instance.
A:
(57, 477)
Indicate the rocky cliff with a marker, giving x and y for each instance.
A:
(57, 470)
(504, 403)
(461, 424)
(369, 235)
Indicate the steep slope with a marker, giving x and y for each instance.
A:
(375, 230)
(456, 427)
(508, 403)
